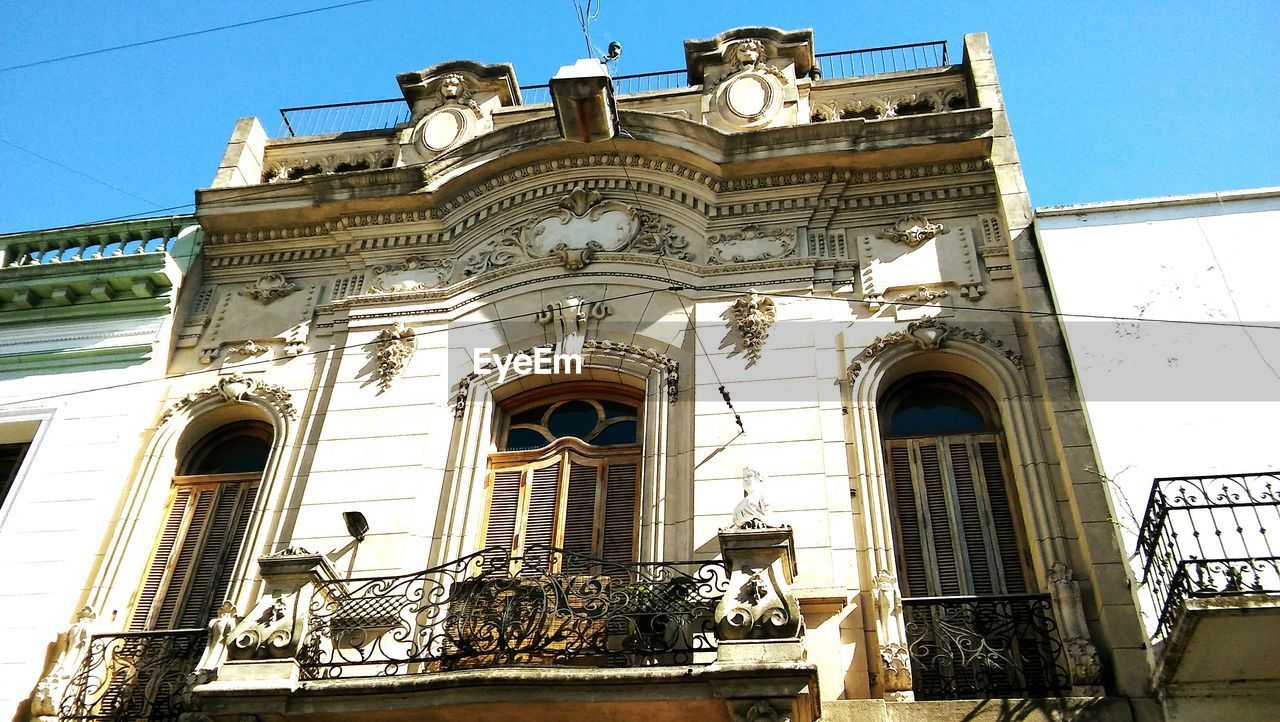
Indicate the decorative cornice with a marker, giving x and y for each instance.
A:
(928, 334)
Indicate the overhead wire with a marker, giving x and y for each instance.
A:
(179, 36)
(80, 173)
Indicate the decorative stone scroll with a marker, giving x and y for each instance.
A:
(912, 229)
(277, 626)
(268, 288)
(928, 334)
(581, 225)
(752, 243)
(759, 603)
(393, 348)
(414, 273)
(69, 649)
(753, 316)
(237, 389)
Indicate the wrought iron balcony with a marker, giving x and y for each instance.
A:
(979, 647)
(135, 676)
(1206, 536)
(489, 609)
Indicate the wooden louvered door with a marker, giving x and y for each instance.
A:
(570, 496)
(190, 570)
(957, 532)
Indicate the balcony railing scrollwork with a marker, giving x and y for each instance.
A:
(547, 608)
(135, 676)
(990, 646)
(1206, 536)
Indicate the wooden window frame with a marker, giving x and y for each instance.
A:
(564, 451)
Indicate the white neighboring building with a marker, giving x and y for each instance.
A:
(1174, 331)
(1172, 399)
(85, 333)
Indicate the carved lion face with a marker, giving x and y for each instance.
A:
(748, 52)
(451, 86)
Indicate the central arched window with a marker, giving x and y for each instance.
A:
(957, 529)
(211, 501)
(566, 475)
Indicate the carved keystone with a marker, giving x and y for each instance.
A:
(759, 604)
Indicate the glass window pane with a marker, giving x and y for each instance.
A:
(575, 418)
(619, 432)
(935, 411)
(235, 455)
(613, 409)
(524, 439)
(531, 416)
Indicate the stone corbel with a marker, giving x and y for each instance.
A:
(1082, 656)
(215, 650)
(896, 660)
(266, 644)
(69, 649)
(759, 604)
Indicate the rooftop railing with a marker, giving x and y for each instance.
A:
(1207, 536)
(382, 114)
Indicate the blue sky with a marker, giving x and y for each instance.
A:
(1107, 100)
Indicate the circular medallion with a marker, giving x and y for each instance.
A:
(748, 96)
(444, 128)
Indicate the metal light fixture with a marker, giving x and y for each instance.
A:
(357, 525)
(583, 97)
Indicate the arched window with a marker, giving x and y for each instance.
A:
(566, 475)
(211, 501)
(957, 529)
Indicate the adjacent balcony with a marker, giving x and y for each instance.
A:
(135, 676)
(1211, 564)
(984, 647)
(548, 608)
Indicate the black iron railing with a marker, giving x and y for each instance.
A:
(886, 59)
(135, 676)
(1206, 536)
(381, 114)
(978, 647)
(489, 609)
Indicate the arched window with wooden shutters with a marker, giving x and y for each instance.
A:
(956, 526)
(566, 476)
(204, 527)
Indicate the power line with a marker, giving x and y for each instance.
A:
(82, 174)
(179, 36)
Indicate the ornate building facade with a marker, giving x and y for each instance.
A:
(816, 457)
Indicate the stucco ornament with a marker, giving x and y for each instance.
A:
(393, 347)
(758, 710)
(753, 316)
(751, 243)
(215, 649)
(567, 321)
(237, 389)
(268, 288)
(1086, 665)
(912, 229)
(69, 649)
(753, 512)
(582, 225)
(273, 629)
(928, 334)
(414, 273)
(896, 659)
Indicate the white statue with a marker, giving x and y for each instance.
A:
(753, 511)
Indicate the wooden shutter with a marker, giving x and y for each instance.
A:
(158, 570)
(580, 515)
(911, 554)
(504, 504)
(938, 531)
(540, 517)
(1006, 533)
(620, 514)
(972, 523)
(223, 584)
(187, 554)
